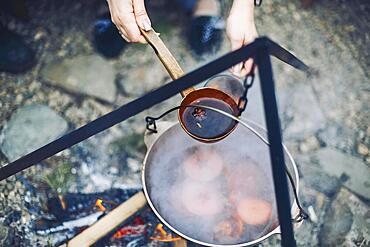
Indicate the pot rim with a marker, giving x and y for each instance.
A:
(243, 122)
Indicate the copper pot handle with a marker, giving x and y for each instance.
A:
(169, 62)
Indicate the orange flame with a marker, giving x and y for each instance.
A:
(99, 204)
(163, 235)
(129, 230)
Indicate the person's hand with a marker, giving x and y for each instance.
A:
(241, 31)
(128, 16)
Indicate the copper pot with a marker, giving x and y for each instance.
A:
(206, 95)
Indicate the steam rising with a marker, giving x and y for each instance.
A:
(219, 193)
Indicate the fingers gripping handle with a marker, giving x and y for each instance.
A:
(169, 62)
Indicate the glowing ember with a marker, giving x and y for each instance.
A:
(129, 230)
(137, 228)
(163, 236)
(99, 204)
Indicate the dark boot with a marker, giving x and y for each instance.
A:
(205, 36)
(15, 55)
(107, 40)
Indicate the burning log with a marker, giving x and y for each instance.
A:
(106, 224)
(136, 229)
(72, 224)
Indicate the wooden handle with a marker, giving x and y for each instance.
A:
(169, 62)
(181, 243)
(106, 224)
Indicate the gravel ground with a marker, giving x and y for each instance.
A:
(325, 118)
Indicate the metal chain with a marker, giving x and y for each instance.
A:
(247, 83)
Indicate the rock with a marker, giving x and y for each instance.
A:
(305, 115)
(300, 113)
(144, 78)
(362, 149)
(338, 136)
(134, 165)
(346, 222)
(88, 111)
(89, 75)
(315, 178)
(338, 164)
(132, 145)
(13, 216)
(338, 223)
(309, 144)
(315, 203)
(3, 234)
(29, 128)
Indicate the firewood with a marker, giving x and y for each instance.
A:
(109, 222)
(181, 243)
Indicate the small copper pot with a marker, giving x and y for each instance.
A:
(193, 96)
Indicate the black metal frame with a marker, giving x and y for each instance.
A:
(260, 49)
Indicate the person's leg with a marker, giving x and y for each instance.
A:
(205, 35)
(187, 5)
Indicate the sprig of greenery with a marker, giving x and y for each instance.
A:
(61, 178)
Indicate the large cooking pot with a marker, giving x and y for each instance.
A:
(218, 194)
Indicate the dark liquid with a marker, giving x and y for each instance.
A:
(205, 123)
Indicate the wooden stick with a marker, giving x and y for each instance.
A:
(112, 220)
(181, 243)
(166, 57)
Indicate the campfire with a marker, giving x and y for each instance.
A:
(79, 212)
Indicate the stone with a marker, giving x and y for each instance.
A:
(314, 203)
(3, 234)
(88, 75)
(346, 222)
(134, 165)
(144, 78)
(301, 112)
(338, 136)
(29, 128)
(362, 149)
(313, 177)
(338, 224)
(309, 144)
(343, 166)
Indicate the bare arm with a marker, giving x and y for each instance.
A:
(241, 30)
(128, 16)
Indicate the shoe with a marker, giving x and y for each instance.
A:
(107, 40)
(205, 35)
(15, 55)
